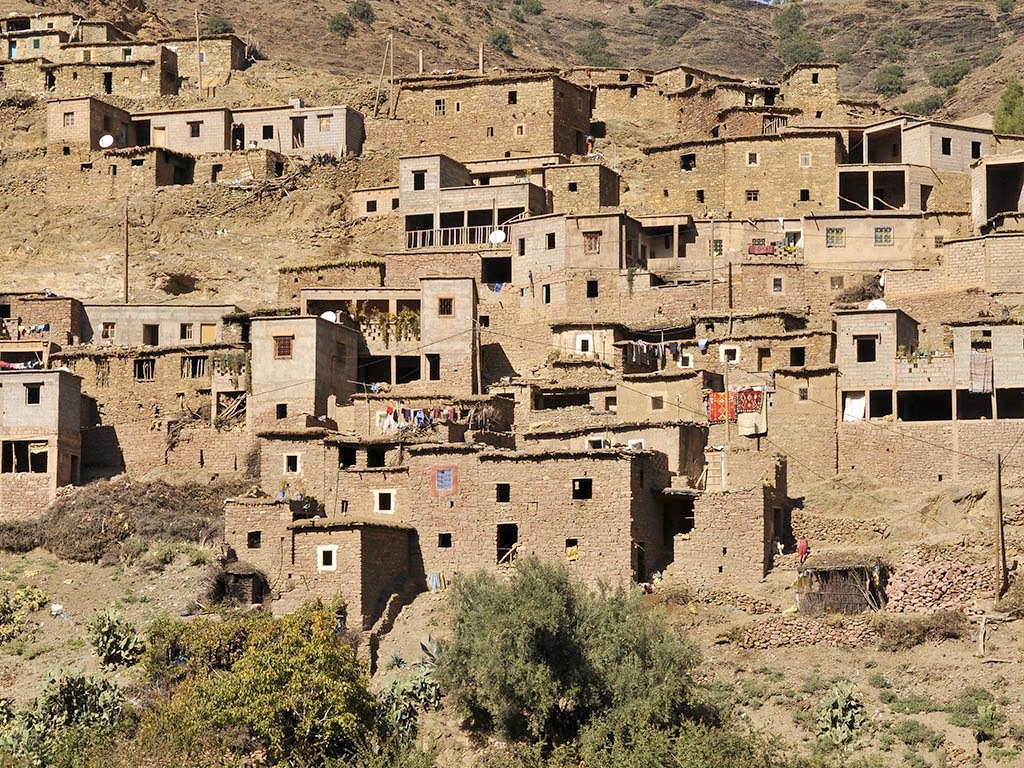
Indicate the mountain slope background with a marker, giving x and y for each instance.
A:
(733, 36)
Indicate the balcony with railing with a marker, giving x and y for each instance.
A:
(458, 237)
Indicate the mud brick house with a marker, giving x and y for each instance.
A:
(82, 122)
(936, 413)
(116, 174)
(423, 337)
(299, 365)
(303, 556)
(154, 325)
(218, 55)
(40, 438)
(511, 113)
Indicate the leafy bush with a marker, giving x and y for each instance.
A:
(500, 41)
(844, 56)
(594, 50)
(341, 25)
(114, 639)
(975, 708)
(361, 10)
(15, 608)
(894, 42)
(1010, 112)
(889, 80)
(915, 734)
(1004, 6)
(218, 25)
(532, 7)
(949, 74)
(796, 46)
(539, 656)
(925, 106)
(840, 715)
(20, 536)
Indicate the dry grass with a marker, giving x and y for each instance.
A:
(89, 525)
(899, 633)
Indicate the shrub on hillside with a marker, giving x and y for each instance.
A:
(218, 25)
(949, 74)
(114, 639)
(500, 40)
(889, 80)
(341, 25)
(594, 50)
(361, 10)
(539, 656)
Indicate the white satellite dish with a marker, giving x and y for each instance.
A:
(106, 141)
(497, 237)
(330, 317)
(877, 304)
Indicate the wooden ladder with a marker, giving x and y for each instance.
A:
(714, 471)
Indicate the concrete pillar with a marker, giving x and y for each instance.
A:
(871, 190)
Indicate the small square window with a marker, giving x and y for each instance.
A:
(947, 145)
(975, 149)
(814, 78)
(836, 282)
(611, 404)
(444, 479)
(572, 550)
(717, 248)
(145, 369)
(490, 132)
(835, 237)
(371, 206)
(444, 541)
(419, 180)
(324, 123)
(805, 195)
(36, 43)
(268, 131)
(520, 130)
(939, 241)
(384, 501)
(33, 394)
(752, 158)
(753, 195)
(107, 330)
(281, 410)
(573, 186)
(883, 236)
(503, 493)
(395, 202)
(186, 332)
(591, 242)
(484, 321)
(446, 306)
(730, 355)
(592, 289)
(254, 539)
(283, 347)
(69, 119)
(802, 393)
(546, 293)
(439, 107)
(582, 488)
(327, 557)
(657, 402)
(700, 195)
(776, 285)
(549, 240)
(291, 463)
(688, 162)
(866, 348)
(797, 356)
(817, 115)
(805, 160)
(195, 129)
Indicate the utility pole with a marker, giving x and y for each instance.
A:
(392, 107)
(126, 250)
(479, 357)
(730, 285)
(199, 55)
(1000, 540)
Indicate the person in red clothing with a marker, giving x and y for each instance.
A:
(803, 548)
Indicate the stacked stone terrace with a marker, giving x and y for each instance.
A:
(622, 367)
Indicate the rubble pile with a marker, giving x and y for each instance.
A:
(782, 631)
(941, 586)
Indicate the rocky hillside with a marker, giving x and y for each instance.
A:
(737, 36)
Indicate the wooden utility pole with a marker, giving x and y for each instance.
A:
(199, 55)
(730, 285)
(1000, 540)
(380, 80)
(478, 356)
(392, 107)
(126, 250)
(480, 59)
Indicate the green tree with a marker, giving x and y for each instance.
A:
(341, 25)
(500, 41)
(218, 25)
(539, 656)
(949, 74)
(799, 49)
(1010, 112)
(594, 50)
(295, 688)
(361, 10)
(789, 20)
(889, 80)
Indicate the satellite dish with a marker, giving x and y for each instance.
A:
(497, 237)
(877, 304)
(106, 141)
(330, 317)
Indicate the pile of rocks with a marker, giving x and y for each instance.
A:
(947, 586)
(746, 603)
(782, 631)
